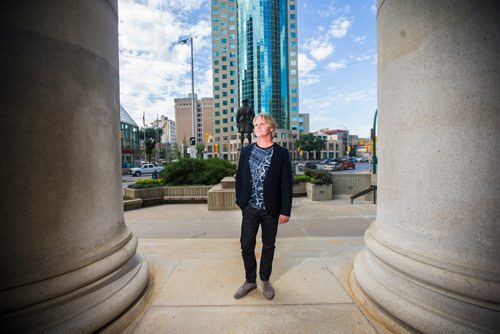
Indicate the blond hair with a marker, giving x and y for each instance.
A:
(268, 119)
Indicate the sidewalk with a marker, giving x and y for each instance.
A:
(196, 265)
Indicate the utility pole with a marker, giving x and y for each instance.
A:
(144, 125)
(157, 137)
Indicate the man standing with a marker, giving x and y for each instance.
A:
(264, 194)
(244, 118)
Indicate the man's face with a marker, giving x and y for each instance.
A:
(261, 128)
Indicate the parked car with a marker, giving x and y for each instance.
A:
(349, 164)
(156, 174)
(310, 165)
(332, 166)
(301, 166)
(144, 169)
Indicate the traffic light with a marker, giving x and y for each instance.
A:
(192, 141)
(216, 147)
(227, 147)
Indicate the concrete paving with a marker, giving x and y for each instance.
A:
(196, 265)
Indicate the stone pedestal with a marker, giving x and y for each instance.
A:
(68, 262)
(432, 256)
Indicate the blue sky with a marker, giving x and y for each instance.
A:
(337, 59)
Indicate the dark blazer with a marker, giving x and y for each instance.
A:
(277, 184)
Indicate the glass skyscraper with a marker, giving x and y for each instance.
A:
(254, 45)
(262, 57)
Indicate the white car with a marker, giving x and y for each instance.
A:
(144, 169)
(333, 166)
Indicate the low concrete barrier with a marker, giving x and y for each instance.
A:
(317, 192)
(131, 204)
(222, 196)
(160, 195)
(350, 184)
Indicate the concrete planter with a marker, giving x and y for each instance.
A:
(299, 189)
(160, 192)
(319, 192)
(144, 193)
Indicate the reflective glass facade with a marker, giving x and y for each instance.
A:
(254, 49)
(263, 57)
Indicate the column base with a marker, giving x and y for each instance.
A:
(404, 301)
(99, 303)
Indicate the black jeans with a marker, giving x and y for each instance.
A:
(252, 218)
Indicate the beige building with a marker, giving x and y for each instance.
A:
(183, 119)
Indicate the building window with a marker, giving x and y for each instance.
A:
(292, 16)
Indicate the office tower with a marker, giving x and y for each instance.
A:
(183, 119)
(254, 45)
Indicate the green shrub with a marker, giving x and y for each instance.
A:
(190, 171)
(318, 176)
(146, 184)
(300, 178)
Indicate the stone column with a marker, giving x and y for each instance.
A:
(68, 262)
(432, 257)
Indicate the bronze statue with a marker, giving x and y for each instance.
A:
(244, 117)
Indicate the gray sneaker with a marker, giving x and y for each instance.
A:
(244, 289)
(268, 290)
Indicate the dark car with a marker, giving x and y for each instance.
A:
(156, 174)
(310, 165)
(301, 166)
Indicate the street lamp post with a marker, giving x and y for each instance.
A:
(157, 138)
(193, 102)
(144, 125)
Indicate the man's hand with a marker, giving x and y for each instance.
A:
(283, 219)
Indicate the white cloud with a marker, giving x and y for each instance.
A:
(332, 9)
(340, 27)
(331, 109)
(360, 39)
(319, 49)
(306, 65)
(322, 52)
(154, 68)
(335, 66)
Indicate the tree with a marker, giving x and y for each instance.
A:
(150, 143)
(311, 143)
(199, 150)
(176, 151)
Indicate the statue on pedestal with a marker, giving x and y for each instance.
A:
(244, 117)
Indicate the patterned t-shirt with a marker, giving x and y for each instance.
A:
(260, 160)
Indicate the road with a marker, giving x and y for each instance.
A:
(361, 167)
(129, 179)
